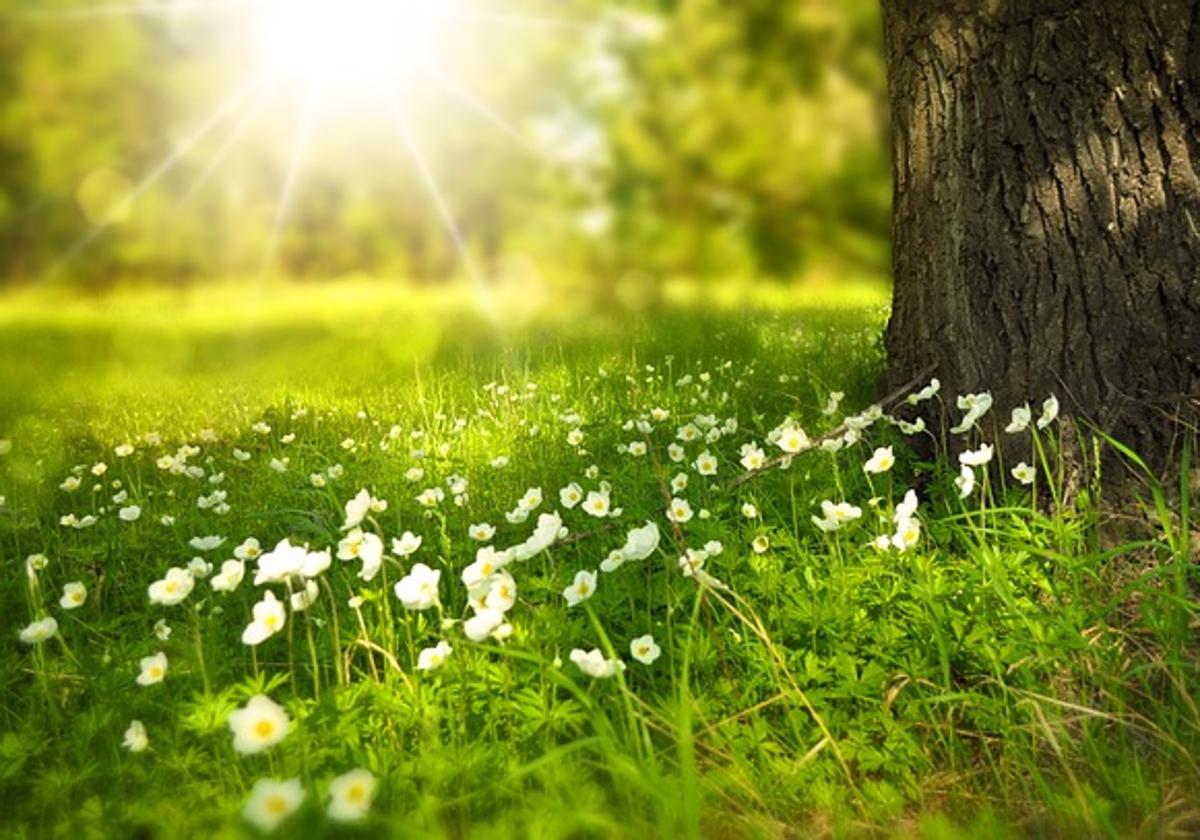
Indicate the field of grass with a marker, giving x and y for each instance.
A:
(987, 664)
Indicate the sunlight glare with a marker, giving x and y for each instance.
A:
(345, 45)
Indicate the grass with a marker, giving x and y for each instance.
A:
(1014, 672)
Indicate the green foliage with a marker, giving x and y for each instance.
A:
(694, 138)
(1012, 673)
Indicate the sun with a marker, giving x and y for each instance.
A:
(344, 46)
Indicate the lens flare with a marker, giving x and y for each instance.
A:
(344, 45)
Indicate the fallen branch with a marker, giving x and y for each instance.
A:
(887, 402)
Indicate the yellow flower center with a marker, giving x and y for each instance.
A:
(264, 728)
(276, 805)
(155, 672)
(356, 793)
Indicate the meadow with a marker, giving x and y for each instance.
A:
(359, 560)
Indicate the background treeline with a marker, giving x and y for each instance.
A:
(698, 138)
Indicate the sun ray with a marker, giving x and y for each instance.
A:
(473, 102)
(299, 150)
(440, 203)
(231, 139)
(223, 112)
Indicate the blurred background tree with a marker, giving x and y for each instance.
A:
(696, 138)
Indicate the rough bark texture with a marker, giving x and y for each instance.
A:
(1047, 205)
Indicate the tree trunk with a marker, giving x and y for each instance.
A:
(1047, 206)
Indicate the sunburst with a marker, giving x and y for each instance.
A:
(321, 51)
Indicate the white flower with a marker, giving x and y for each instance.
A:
(350, 795)
(706, 463)
(831, 407)
(760, 544)
(880, 461)
(260, 724)
(173, 588)
(481, 531)
(71, 483)
(418, 590)
(641, 542)
(753, 458)
(549, 529)
(582, 588)
(1024, 473)
(365, 546)
(570, 495)
(315, 562)
(1021, 415)
(430, 497)
(241, 455)
(502, 592)
(153, 669)
(908, 531)
(485, 623)
(835, 516)
(269, 618)
(280, 464)
(74, 594)
(593, 663)
(407, 544)
(304, 598)
(907, 508)
(679, 510)
(692, 562)
(1049, 412)
(206, 543)
(644, 649)
(965, 482)
(248, 550)
(676, 453)
(749, 510)
(136, 739)
(39, 631)
(432, 658)
(357, 509)
(575, 437)
(199, 567)
(976, 405)
(977, 457)
(637, 448)
(531, 501)
(597, 504)
(129, 514)
(926, 393)
(488, 561)
(792, 440)
(280, 563)
(162, 630)
(613, 561)
(271, 802)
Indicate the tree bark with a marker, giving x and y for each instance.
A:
(1046, 216)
